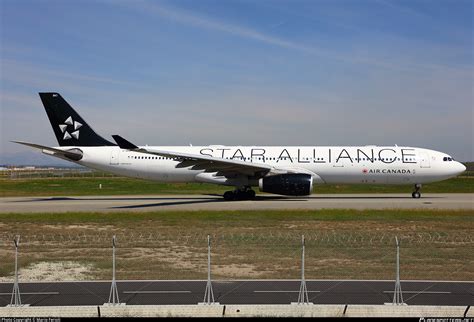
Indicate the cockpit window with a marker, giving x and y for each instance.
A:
(448, 159)
(445, 159)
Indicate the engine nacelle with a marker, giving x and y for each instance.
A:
(290, 184)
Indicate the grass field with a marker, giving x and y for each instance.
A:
(124, 186)
(340, 244)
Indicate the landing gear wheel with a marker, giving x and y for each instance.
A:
(239, 195)
(416, 194)
(229, 196)
(250, 194)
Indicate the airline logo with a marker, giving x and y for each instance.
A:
(388, 171)
(73, 127)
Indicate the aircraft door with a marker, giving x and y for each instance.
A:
(114, 156)
(425, 160)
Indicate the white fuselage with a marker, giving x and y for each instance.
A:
(352, 164)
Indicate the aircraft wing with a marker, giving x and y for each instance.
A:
(222, 167)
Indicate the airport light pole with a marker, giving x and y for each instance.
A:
(16, 298)
(397, 295)
(209, 293)
(113, 297)
(303, 297)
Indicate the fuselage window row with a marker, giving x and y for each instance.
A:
(294, 158)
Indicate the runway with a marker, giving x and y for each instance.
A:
(241, 292)
(214, 202)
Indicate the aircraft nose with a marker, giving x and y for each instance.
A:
(460, 167)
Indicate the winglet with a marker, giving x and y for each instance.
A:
(124, 144)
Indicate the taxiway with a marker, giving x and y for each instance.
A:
(214, 202)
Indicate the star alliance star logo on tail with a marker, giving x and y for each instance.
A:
(70, 122)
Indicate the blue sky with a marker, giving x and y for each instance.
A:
(341, 72)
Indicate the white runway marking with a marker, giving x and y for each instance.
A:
(33, 293)
(284, 291)
(419, 292)
(155, 292)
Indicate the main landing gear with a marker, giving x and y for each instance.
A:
(239, 194)
(416, 194)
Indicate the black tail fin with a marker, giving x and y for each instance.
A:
(69, 127)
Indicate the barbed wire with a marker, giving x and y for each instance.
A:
(336, 239)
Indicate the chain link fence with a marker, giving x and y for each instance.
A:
(160, 255)
(25, 173)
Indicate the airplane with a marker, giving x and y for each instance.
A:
(282, 170)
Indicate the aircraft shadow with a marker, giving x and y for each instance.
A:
(164, 204)
(186, 201)
(85, 198)
(219, 198)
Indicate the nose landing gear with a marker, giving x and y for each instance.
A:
(416, 194)
(240, 194)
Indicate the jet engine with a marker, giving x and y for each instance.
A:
(290, 184)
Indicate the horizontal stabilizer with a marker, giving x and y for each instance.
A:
(72, 154)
